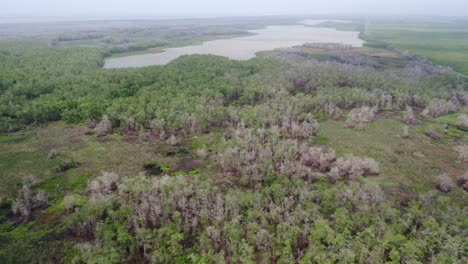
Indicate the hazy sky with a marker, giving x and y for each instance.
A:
(228, 7)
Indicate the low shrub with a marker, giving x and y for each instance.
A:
(27, 200)
(359, 117)
(445, 183)
(463, 181)
(438, 108)
(351, 167)
(462, 153)
(152, 168)
(64, 166)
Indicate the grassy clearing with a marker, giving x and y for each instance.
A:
(447, 46)
(24, 157)
(11, 138)
(409, 163)
(26, 160)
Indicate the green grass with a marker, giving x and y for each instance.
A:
(410, 163)
(19, 167)
(11, 138)
(24, 157)
(77, 181)
(52, 184)
(451, 119)
(447, 46)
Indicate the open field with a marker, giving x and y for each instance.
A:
(446, 45)
(24, 155)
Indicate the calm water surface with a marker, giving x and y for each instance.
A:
(244, 48)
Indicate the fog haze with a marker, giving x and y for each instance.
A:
(200, 8)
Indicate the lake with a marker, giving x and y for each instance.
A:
(244, 48)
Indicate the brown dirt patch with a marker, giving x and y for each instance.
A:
(132, 139)
(188, 164)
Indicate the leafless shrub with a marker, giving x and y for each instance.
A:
(295, 170)
(22, 205)
(91, 123)
(40, 198)
(215, 236)
(360, 116)
(157, 127)
(414, 73)
(104, 127)
(103, 185)
(202, 152)
(329, 46)
(262, 152)
(26, 201)
(351, 167)
(299, 129)
(365, 197)
(286, 53)
(409, 116)
(430, 133)
(332, 109)
(255, 153)
(462, 153)
(438, 108)
(463, 120)
(263, 240)
(445, 183)
(319, 158)
(172, 140)
(463, 181)
(372, 194)
(302, 85)
(53, 153)
(130, 128)
(460, 97)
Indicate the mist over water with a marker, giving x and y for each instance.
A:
(244, 48)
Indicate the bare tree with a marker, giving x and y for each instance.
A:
(172, 140)
(104, 127)
(438, 108)
(409, 116)
(405, 132)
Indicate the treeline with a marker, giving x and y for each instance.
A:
(78, 36)
(133, 46)
(195, 93)
(121, 40)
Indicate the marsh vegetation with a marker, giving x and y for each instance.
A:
(309, 154)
